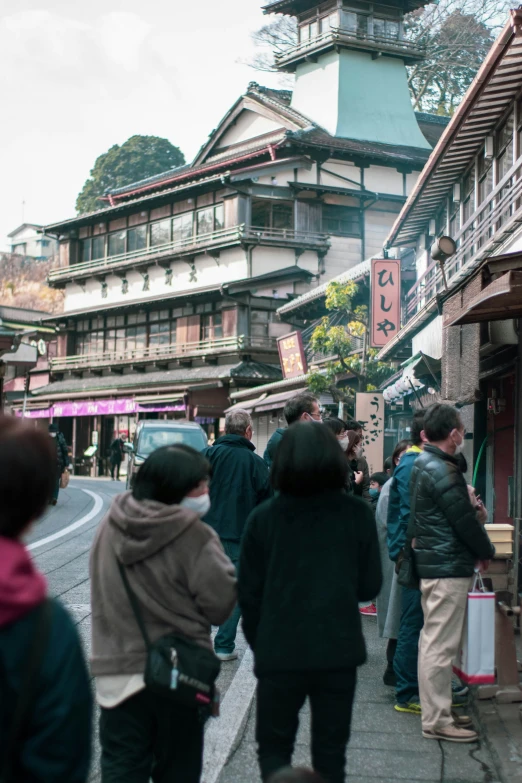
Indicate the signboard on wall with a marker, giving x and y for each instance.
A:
(292, 355)
(369, 412)
(385, 300)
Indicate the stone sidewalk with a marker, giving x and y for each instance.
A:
(385, 746)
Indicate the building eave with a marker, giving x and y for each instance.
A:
(357, 272)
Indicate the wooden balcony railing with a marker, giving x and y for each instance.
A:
(215, 240)
(120, 358)
(499, 215)
(339, 35)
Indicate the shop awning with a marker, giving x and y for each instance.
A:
(500, 300)
(416, 373)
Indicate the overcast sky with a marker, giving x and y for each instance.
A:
(77, 77)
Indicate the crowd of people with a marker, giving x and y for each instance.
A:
(302, 544)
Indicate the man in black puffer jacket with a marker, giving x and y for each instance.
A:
(449, 541)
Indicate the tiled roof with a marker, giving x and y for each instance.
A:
(115, 383)
(355, 273)
(385, 153)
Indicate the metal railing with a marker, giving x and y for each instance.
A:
(496, 218)
(168, 352)
(341, 35)
(181, 247)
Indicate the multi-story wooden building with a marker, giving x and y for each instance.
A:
(171, 287)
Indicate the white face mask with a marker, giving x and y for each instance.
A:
(343, 443)
(52, 434)
(459, 447)
(199, 504)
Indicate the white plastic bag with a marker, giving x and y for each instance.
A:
(475, 662)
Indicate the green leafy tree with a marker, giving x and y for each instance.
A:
(342, 342)
(139, 157)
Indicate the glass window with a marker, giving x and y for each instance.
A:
(211, 327)
(362, 24)
(120, 341)
(182, 227)
(120, 320)
(341, 220)
(85, 250)
(132, 318)
(98, 323)
(110, 339)
(205, 221)
(160, 233)
(334, 19)
(98, 248)
(379, 28)
(117, 243)
(173, 332)
(392, 29)
(159, 333)
(259, 322)
(314, 30)
(219, 217)
(111, 320)
(350, 21)
(136, 239)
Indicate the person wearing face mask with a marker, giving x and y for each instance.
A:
(338, 427)
(449, 542)
(184, 583)
(358, 461)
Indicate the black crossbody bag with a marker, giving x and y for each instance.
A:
(24, 704)
(176, 668)
(405, 565)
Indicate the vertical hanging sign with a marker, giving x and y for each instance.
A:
(292, 355)
(369, 412)
(386, 300)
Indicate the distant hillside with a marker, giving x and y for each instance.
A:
(23, 284)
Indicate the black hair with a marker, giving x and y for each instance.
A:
(308, 461)
(388, 465)
(416, 427)
(170, 473)
(53, 428)
(380, 478)
(401, 446)
(28, 474)
(439, 420)
(337, 426)
(297, 775)
(297, 405)
(353, 424)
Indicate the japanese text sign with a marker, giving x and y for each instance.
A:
(292, 355)
(386, 300)
(369, 412)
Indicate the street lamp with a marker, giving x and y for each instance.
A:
(442, 249)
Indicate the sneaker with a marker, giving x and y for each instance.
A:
(227, 656)
(369, 611)
(458, 688)
(389, 677)
(452, 733)
(413, 707)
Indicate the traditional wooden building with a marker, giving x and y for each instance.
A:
(171, 287)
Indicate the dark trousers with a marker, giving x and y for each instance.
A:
(405, 662)
(279, 699)
(391, 649)
(225, 641)
(148, 736)
(115, 466)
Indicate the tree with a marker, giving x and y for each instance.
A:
(456, 34)
(139, 157)
(337, 340)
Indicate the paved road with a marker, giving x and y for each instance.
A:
(385, 746)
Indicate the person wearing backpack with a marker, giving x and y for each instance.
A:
(159, 579)
(45, 697)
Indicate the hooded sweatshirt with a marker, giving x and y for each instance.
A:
(57, 744)
(177, 569)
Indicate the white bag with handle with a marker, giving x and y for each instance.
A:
(475, 662)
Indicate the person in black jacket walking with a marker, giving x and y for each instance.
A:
(62, 458)
(41, 658)
(239, 483)
(309, 555)
(303, 406)
(449, 542)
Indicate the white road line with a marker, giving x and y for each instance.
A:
(222, 734)
(98, 505)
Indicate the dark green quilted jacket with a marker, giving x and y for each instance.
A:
(448, 537)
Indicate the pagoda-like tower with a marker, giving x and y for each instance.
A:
(349, 64)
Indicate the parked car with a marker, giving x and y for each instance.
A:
(151, 434)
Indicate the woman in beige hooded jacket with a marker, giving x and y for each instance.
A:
(184, 583)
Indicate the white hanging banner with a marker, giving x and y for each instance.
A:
(369, 412)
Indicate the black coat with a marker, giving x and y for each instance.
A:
(305, 564)
(449, 539)
(239, 483)
(363, 489)
(62, 454)
(58, 745)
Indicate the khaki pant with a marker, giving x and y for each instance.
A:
(444, 604)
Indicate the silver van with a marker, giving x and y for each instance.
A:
(152, 434)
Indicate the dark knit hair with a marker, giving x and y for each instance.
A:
(379, 478)
(439, 420)
(402, 445)
(308, 461)
(297, 405)
(28, 474)
(336, 425)
(298, 775)
(170, 473)
(416, 427)
(353, 424)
